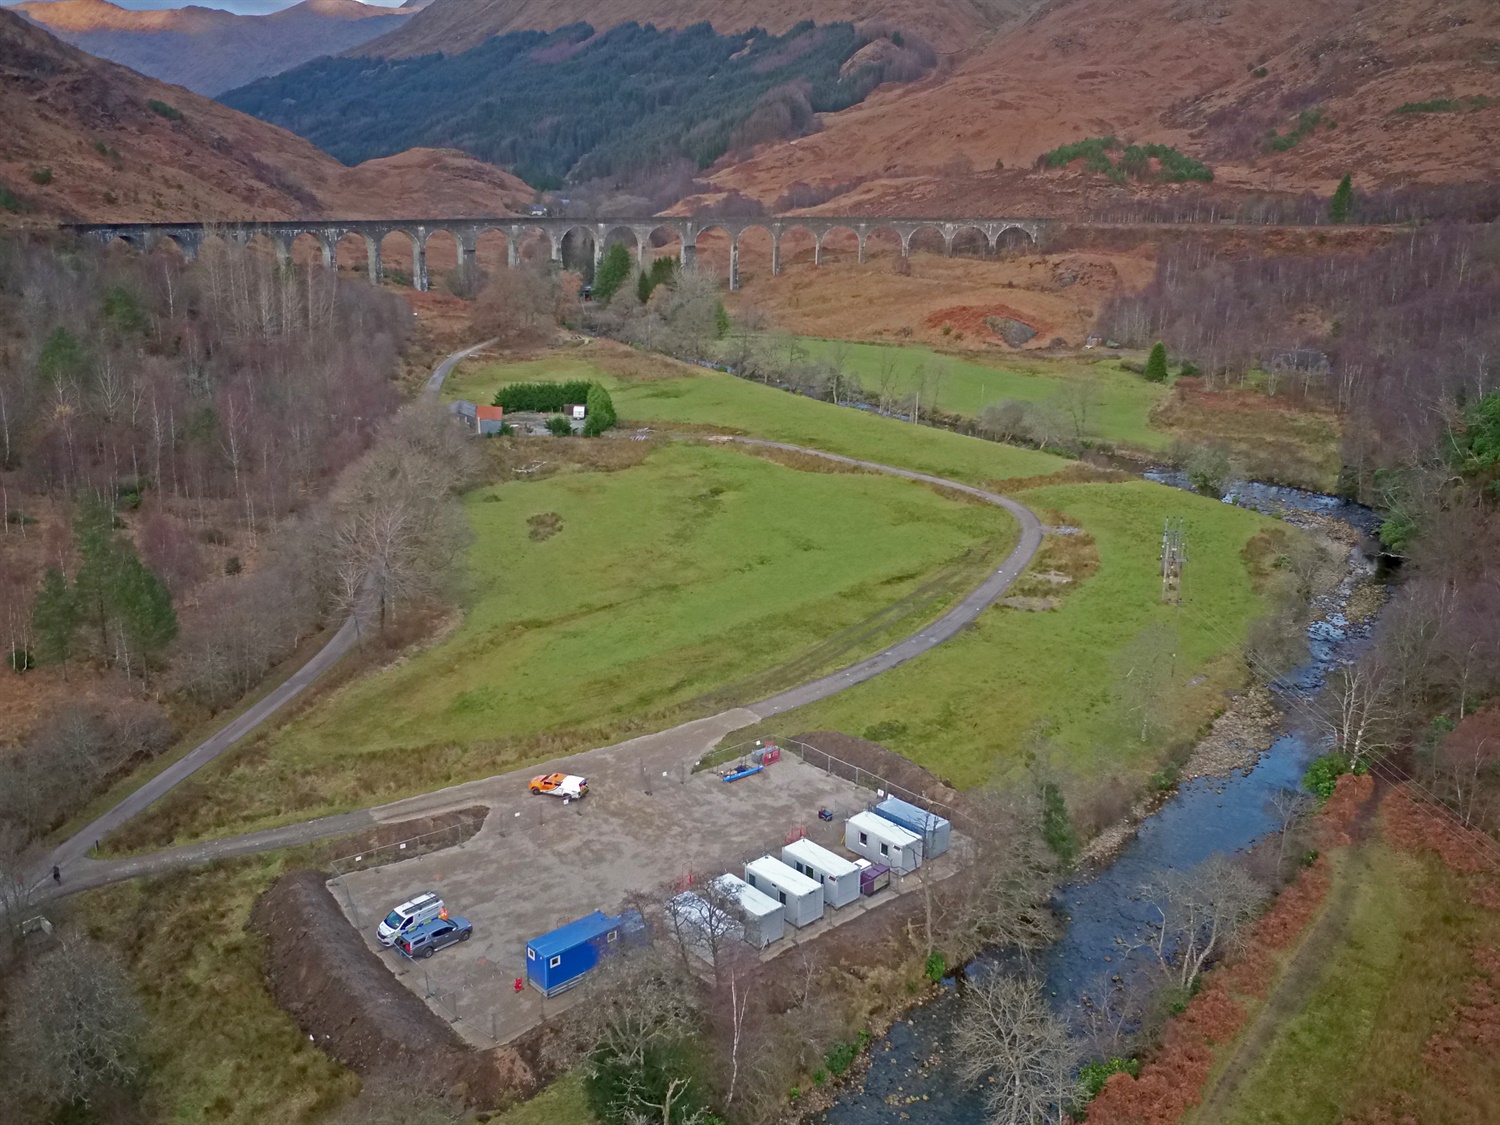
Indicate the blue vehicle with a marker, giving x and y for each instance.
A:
(426, 939)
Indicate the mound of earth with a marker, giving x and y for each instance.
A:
(874, 758)
(996, 321)
(342, 996)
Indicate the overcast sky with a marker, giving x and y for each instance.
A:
(244, 7)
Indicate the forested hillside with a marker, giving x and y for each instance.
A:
(578, 105)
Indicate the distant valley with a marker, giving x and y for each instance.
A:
(209, 50)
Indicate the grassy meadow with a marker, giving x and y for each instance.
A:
(966, 709)
(606, 603)
(1360, 1046)
(662, 393)
(1119, 403)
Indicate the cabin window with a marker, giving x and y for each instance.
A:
(885, 849)
(612, 935)
(531, 955)
(782, 896)
(555, 962)
(863, 839)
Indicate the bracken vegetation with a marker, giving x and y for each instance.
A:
(577, 104)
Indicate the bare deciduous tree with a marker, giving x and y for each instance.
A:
(1359, 712)
(1007, 1032)
(1200, 913)
(74, 1024)
(1143, 676)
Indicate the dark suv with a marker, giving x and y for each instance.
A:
(429, 937)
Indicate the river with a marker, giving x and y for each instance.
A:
(910, 1077)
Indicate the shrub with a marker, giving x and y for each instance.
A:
(1448, 105)
(233, 566)
(558, 426)
(601, 410)
(1260, 72)
(1057, 826)
(1322, 777)
(721, 320)
(1307, 121)
(842, 1055)
(162, 109)
(42, 176)
(8, 199)
(1156, 364)
(936, 967)
(1094, 1075)
(1209, 470)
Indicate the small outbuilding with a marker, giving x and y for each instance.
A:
(575, 412)
(881, 841)
(491, 419)
(558, 960)
(873, 877)
(800, 896)
(934, 830)
(838, 877)
(763, 918)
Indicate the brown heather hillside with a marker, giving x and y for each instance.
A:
(456, 25)
(86, 127)
(1180, 72)
(207, 49)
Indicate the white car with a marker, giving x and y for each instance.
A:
(410, 914)
(560, 785)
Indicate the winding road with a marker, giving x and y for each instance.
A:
(664, 751)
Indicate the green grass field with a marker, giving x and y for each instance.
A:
(711, 398)
(1357, 1049)
(669, 581)
(1118, 408)
(218, 1047)
(965, 709)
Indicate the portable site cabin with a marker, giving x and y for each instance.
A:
(837, 875)
(763, 918)
(558, 960)
(933, 829)
(880, 841)
(802, 897)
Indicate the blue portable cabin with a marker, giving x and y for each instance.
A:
(933, 829)
(558, 960)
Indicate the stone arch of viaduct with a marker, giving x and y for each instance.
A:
(189, 237)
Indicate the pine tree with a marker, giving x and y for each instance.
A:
(613, 272)
(144, 610)
(1156, 365)
(97, 575)
(54, 619)
(1341, 206)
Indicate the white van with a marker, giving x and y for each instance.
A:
(423, 908)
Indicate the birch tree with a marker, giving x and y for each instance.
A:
(1199, 914)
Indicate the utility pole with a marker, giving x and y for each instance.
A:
(1173, 556)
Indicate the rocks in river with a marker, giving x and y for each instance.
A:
(1238, 737)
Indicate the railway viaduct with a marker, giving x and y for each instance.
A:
(189, 237)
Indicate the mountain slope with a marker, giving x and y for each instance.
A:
(207, 49)
(81, 140)
(1212, 77)
(457, 25)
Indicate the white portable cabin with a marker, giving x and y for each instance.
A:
(838, 876)
(763, 918)
(934, 830)
(880, 841)
(800, 896)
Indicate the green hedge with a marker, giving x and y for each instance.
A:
(544, 398)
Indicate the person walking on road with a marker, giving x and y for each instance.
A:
(57, 875)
